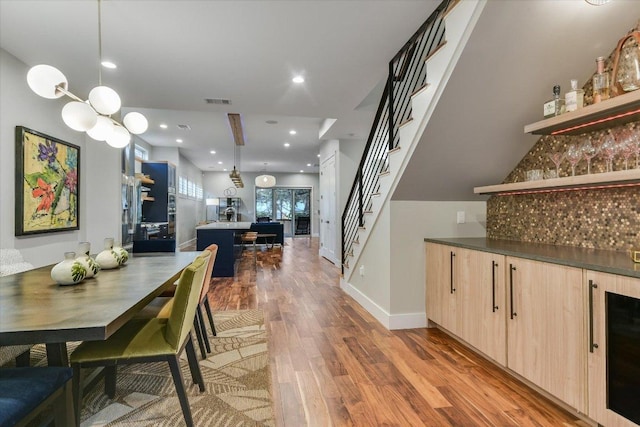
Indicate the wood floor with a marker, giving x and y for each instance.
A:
(334, 364)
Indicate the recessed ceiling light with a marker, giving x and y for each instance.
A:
(179, 141)
(292, 132)
(109, 64)
(308, 164)
(298, 79)
(271, 122)
(318, 155)
(213, 151)
(301, 171)
(286, 144)
(163, 125)
(219, 163)
(225, 169)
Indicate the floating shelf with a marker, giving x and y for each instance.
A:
(611, 112)
(145, 179)
(592, 181)
(148, 199)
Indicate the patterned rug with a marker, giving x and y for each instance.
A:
(236, 375)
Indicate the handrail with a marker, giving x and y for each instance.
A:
(407, 73)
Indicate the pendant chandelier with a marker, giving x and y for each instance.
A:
(92, 116)
(264, 180)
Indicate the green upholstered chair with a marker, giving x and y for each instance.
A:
(150, 340)
(162, 306)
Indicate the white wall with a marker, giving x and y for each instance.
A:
(190, 211)
(100, 171)
(216, 182)
(411, 222)
(393, 286)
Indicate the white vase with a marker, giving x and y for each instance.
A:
(68, 272)
(122, 253)
(108, 258)
(92, 267)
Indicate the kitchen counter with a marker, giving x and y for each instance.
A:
(605, 261)
(225, 225)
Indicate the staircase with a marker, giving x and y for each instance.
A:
(417, 77)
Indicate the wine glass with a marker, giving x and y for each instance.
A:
(589, 151)
(635, 140)
(574, 155)
(557, 158)
(609, 149)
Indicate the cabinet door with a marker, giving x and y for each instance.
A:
(546, 333)
(600, 284)
(440, 293)
(480, 289)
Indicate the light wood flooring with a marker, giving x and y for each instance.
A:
(334, 364)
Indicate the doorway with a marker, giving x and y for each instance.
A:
(290, 206)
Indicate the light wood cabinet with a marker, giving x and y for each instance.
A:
(466, 296)
(546, 333)
(440, 290)
(481, 308)
(600, 284)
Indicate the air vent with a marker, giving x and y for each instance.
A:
(184, 127)
(217, 101)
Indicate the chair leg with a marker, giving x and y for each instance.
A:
(63, 408)
(110, 376)
(196, 326)
(203, 328)
(174, 364)
(194, 367)
(77, 391)
(208, 308)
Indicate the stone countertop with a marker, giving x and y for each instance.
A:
(614, 262)
(225, 225)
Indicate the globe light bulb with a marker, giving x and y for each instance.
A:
(105, 100)
(102, 130)
(43, 79)
(136, 123)
(119, 138)
(79, 116)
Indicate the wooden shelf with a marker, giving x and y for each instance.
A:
(148, 199)
(596, 180)
(145, 179)
(612, 112)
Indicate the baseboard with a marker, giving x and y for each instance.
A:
(187, 243)
(389, 321)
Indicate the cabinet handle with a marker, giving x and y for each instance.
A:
(592, 345)
(494, 307)
(453, 255)
(511, 270)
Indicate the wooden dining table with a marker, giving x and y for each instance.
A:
(34, 309)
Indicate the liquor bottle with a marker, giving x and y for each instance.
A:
(574, 99)
(555, 106)
(600, 82)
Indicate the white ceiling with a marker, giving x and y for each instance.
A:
(171, 55)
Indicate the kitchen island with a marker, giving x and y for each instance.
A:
(227, 236)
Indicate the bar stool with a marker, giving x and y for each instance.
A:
(250, 237)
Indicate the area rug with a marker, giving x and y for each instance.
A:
(236, 375)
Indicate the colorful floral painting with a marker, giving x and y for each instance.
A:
(47, 183)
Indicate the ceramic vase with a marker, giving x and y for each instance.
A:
(92, 267)
(68, 272)
(108, 258)
(122, 254)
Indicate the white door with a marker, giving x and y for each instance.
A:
(328, 216)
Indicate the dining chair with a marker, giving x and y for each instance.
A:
(11, 262)
(150, 340)
(249, 238)
(26, 392)
(162, 306)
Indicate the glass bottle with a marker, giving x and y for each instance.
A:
(600, 82)
(555, 106)
(574, 99)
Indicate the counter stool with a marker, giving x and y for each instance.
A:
(250, 237)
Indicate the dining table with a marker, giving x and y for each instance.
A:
(34, 309)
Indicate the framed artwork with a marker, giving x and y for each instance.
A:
(47, 183)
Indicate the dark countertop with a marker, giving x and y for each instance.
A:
(614, 262)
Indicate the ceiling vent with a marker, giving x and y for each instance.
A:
(184, 127)
(217, 101)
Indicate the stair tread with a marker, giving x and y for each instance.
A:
(420, 89)
(394, 150)
(436, 50)
(407, 121)
(451, 6)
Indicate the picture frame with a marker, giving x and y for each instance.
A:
(47, 184)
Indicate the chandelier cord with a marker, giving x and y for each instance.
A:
(99, 43)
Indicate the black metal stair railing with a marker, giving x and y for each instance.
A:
(407, 74)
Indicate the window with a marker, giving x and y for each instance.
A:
(284, 204)
(182, 186)
(141, 153)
